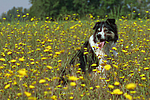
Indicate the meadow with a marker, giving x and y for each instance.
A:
(33, 54)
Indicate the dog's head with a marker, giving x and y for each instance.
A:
(105, 31)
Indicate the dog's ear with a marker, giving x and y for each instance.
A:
(96, 25)
(110, 21)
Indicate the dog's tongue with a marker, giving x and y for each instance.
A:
(101, 44)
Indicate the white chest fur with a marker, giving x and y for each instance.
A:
(100, 53)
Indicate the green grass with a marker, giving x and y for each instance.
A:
(47, 47)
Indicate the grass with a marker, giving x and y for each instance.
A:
(34, 53)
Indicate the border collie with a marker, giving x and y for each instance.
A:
(97, 49)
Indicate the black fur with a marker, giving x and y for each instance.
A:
(85, 60)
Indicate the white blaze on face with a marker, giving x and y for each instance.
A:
(101, 33)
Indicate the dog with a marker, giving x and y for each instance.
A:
(96, 50)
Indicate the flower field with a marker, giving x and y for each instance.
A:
(33, 54)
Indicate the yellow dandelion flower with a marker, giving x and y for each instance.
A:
(115, 66)
(32, 63)
(124, 51)
(43, 58)
(28, 94)
(114, 48)
(73, 78)
(81, 77)
(27, 14)
(54, 97)
(22, 72)
(49, 67)
(132, 92)
(72, 84)
(32, 98)
(19, 94)
(94, 65)
(71, 97)
(83, 85)
(131, 86)
(4, 18)
(31, 86)
(7, 86)
(117, 91)
(116, 83)
(42, 81)
(146, 68)
(128, 96)
(65, 88)
(21, 59)
(9, 53)
(2, 59)
(143, 51)
(143, 78)
(111, 86)
(91, 88)
(14, 83)
(107, 67)
(85, 53)
(13, 61)
(57, 53)
(97, 86)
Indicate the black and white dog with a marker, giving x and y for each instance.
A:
(94, 50)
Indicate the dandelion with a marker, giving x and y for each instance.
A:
(143, 78)
(128, 96)
(54, 97)
(49, 67)
(94, 65)
(7, 86)
(27, 14)
(115, 66)
(146, 68)
(21, 59)
(71, 97)
(28, 94)
(4, 18)
(116, 83)
(42, 81)
(9, 53)
(131, 86)
(147, 11)
(91, 88)
(143, 51)
(72, 84)
(83, 85)
(31, 87)
(132, 92)
(114, 48)
(85, 53)
(32, 19)
(65, 88)
(117, 91)
(73, 78)
(107, 67)
(12, 61)
(2, 59)
(111, 86)
(14, 83)
(19, 94)
(57, 53)
(22, 72)
(97, 86)
(32, 98)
